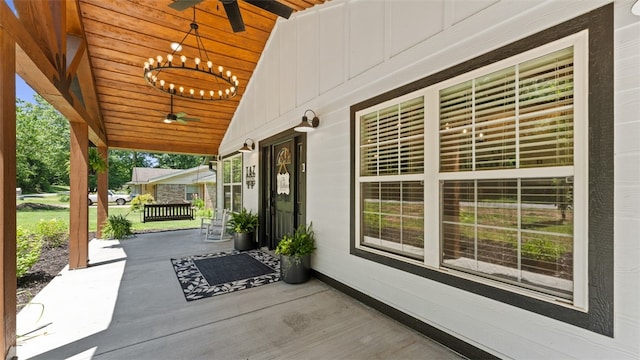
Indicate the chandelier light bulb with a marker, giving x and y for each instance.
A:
(220, 68)
(169, 58)
(183, 59)
(146, 65)
(162, 83)
(228, 74)
(191, 92)
(234, 78)
(201, 92)
(226, 91)
(209, 64)
(159, 58)
(233, 89)
(197, 61)
(171, 86)
(181, 89)
(211, 93)
(220, 93)
(176, 47)
(151, 61)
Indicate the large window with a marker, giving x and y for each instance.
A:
(484, 177)
(391, 173)
(506, 169)
(232, 182)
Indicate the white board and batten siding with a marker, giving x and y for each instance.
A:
(343, 52)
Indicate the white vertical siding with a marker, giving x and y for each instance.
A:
(364, 48)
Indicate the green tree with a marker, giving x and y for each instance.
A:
(177, 161)
(42, 146)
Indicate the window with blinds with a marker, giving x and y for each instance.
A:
(512, 225)
(392, 140)
(519, 117)
(391, 163)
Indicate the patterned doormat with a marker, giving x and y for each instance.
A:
(202, 276)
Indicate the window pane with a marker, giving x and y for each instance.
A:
(236, 169)
(546, 82)
(495, 125)
(458, 220)
(237, 197)
(456, 117)
(498, 203)
(519, 231)
(547, 140)
(227, 197)
(393, 217)
(392, 140)
(370, 194)
(226, 171)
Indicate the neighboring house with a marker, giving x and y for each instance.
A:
(461, 178)
(175, 186)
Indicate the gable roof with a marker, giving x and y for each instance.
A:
(198, 174)
(142, 175)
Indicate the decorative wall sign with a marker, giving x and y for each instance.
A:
(282, 179)
(251, 176)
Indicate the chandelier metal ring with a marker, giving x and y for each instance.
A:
(164, 74)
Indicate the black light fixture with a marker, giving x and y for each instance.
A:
(307, 125)
(197, 80)
(245, 147)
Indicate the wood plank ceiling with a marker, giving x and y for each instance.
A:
(121, 35)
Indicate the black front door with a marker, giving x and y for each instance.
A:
(283, 189)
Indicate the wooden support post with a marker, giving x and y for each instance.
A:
(8, 281)
(79, 201)
(103, 186)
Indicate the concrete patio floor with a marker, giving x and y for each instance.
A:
(128, 305)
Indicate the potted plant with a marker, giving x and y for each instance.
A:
(295, 255)
(243, 225)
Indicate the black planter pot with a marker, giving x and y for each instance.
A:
(243, 241)
(295, 271)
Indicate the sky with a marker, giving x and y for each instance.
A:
(23, 91)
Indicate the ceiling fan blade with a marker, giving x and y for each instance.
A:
(181, 114)
(273, 7)
(181, 121)
(233, 13)
(181, 5)
(189, 119)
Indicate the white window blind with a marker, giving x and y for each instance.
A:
(518, 117)
(510, 226)
(392, 140)
(391, 209)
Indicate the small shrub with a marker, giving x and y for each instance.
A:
(205, 213)
(198, 203)
(137, 203)
(63, 198)
(53, 233)
(28, 249)
(117, 227)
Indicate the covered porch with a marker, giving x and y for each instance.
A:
(128, 305)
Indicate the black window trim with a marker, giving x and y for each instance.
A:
(599, 317)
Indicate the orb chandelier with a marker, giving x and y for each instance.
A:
(197, 78)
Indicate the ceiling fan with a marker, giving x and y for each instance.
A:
(180, 117)
(233, 10)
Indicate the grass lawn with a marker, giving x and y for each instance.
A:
(29, 219)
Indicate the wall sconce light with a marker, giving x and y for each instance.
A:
(245, 147)
(307, 125)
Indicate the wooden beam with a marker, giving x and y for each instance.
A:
(36, 70)
(8, 282)
(103, 186)
(78, 202)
